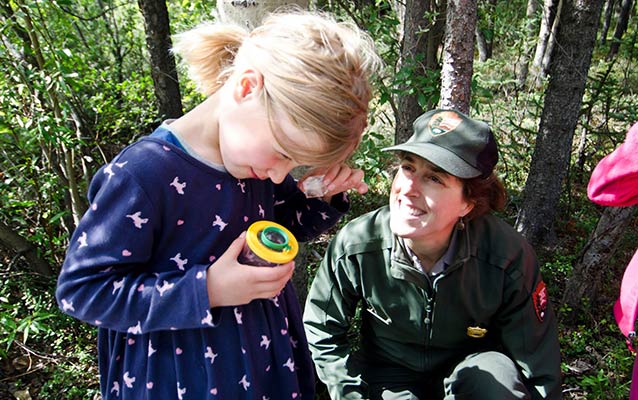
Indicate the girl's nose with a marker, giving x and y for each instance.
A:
(278, 174)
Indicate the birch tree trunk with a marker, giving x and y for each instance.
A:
(250, 13)
(458, 55)
(550, 8)
(523, 64)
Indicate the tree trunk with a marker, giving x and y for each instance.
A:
(621, 28)
(522, 69)
(458, 55)
(158, 42)
(250, 13)
(550, 8)
(609, 10)
(486, 13)
(416, 57)
(23, 248)
(593, 263)
(563, 98)
(482, 46)
(549, 50)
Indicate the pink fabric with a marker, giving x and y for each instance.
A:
(614, 182)
(626, 307)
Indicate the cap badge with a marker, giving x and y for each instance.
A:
(444, 122)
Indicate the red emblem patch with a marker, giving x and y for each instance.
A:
(540, 300)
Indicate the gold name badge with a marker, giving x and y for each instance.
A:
(476, 332)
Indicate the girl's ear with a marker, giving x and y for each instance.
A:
(248, 82)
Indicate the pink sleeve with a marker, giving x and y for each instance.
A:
(614, 181)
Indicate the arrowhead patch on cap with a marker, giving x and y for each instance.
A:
(444, 122)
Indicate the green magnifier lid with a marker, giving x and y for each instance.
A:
(274, 238)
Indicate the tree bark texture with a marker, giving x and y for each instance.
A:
(522, 69)
(163, 71)
(621, 27)
(486, 12)
(417, 34)
(590, 269)
(23, 248)
(551, 158)
(458, 55)
(609, 10)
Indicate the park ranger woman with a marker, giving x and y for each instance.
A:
(452, 301)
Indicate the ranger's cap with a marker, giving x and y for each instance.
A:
(462, 146)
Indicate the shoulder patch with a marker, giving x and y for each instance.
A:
(540, 300)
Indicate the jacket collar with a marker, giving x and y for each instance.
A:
(403, 266)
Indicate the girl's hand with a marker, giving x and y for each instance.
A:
(337, 179)
(231, 283)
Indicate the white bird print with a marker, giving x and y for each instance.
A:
(121, 164)
(324, 215)
(237, 315)
(210, 354)
(180, 261)
(290, 365)
(275, 301)
(135, 329)
(279, 202)
(265, 342)
(219, 222)
(299, 217)
(82, 240)
(137, 219)
(116, 388)
(179, 186)
(180, 392)
(208, 320)
(244, 382)
(262, 213)
(151, 350)
(242, 186)
(67, 305)
(128, 381)
(293, 342)
(109, 170)
(117, 285)
(165, 286)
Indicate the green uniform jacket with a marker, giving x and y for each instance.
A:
(493, 283)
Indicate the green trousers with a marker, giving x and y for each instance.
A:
(480, 376)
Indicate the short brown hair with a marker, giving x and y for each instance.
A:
(487, 194)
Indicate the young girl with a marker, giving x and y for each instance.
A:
(153, 263)
(614, 182)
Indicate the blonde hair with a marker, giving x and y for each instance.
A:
(315, 70)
